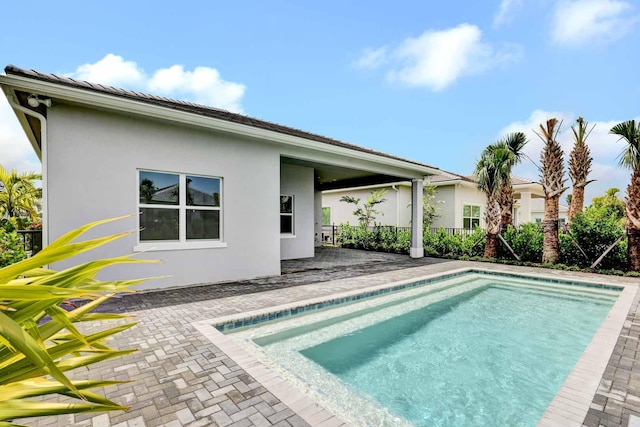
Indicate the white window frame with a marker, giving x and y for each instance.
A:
(182, 207)
(479, 218)
(292, 215)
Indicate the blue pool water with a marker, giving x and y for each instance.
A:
(491, 356)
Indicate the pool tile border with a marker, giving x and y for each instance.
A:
(280, 312)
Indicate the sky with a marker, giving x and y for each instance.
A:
(431, 81)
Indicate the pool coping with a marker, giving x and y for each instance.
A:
(568, 408)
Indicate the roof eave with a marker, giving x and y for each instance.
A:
(112, 102)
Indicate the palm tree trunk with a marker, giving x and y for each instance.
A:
(633, 221)
(633, 249)
(577, 202)
(550, 245)
(506, 207)
(491, 246)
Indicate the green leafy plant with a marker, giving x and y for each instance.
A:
(11, 248)
(366, 213)
(40, 340)
(526, 241)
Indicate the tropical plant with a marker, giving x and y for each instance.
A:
(11, 248)
(366, 214)
(629, 131)
(514, 143)
(19, 197)
(592, 232)
(526, 241)
(39, 337)
(490, 173)
(552, 176)
(579, 166)
(429, 206)
(610, 203)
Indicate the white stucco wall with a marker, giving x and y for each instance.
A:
(446, 209)
(93, 162)
(342, 212)
(297, 181)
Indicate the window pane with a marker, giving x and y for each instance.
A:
(467, 223)
(203, 191)
(326, 216)
(286, 224)
(475, 223)
(159, 188)
(286, 204)
(158, 224)
(203, 224)
(475, 211)
(466, 210)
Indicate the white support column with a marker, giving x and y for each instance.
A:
(525, 207)
(417, 251)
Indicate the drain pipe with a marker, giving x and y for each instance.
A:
(43, 157)
(397, 205)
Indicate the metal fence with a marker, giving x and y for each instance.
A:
(330, 233)
(32, 241)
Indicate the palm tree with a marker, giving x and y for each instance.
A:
(579, 166)
(552, 176)
(19, 197)
(490, 173)
(630, 159)
(514, 143)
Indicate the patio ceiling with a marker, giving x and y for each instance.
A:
(332, 177)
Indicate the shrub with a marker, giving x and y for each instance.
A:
(11, 248)
(526, 241)
(594, 230)
(39, 340)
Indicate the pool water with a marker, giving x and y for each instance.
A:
(487, 352)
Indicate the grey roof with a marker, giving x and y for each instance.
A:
(444, 176)
(190, 107)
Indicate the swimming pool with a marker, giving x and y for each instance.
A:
(466, 349)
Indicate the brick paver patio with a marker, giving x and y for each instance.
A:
(181, 379)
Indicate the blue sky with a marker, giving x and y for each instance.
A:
(431, 81)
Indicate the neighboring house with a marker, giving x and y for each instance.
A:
(537, 212)
(461, 203)
(216, 196)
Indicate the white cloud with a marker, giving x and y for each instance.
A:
(506, 12)
(371, 58)
(582, 22)
(203, 85)
(436, 59)
(111, 70)
(15, 150)
(604, 148)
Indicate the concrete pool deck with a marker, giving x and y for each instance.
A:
(182, 378)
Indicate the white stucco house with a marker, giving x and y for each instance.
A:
(461, 203)
(216, 196)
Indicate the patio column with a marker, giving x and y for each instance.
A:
(417, 251)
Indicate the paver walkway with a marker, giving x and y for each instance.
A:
(181, 379)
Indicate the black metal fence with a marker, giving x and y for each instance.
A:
(32, 240)
(330, 232)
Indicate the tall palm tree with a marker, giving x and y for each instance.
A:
(19, 197)
(553, 180)
(630, 159)
(579, 166)
(490, 174)
(514, 143)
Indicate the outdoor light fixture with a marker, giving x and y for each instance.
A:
(35, 102)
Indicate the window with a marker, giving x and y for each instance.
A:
(286, 214)
(326, 216)
(179, 208)
(470, 217)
